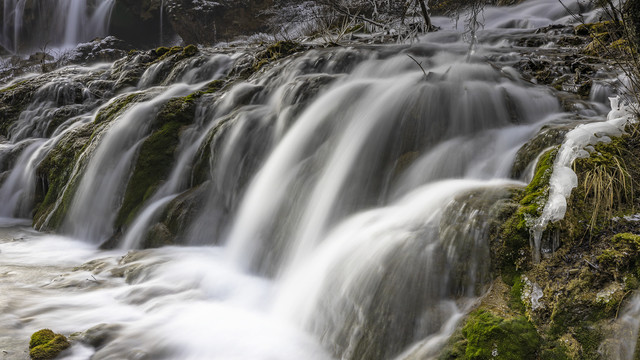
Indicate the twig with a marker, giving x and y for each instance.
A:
(419, 64)
(339, 8)
(620, 303)
(592, 265)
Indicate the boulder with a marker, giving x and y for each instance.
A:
(99, 50)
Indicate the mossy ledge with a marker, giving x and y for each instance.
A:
(57, 182)
(47, 345)
(156, 156)
(565, 307)
(488, 336)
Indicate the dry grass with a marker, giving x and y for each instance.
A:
(606, 186)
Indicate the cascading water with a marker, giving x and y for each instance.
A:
(337, 204)
(58, 24)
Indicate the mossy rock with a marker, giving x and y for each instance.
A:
(189, 50)
(183, 52)
(41, 337)
(274, 52)
(47, 345)
(156, 157)
(622, 255)
(492, 337)
(162, 50)
(55, 175)
(592, 29)
(14, 99)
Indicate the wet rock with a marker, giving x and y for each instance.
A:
(40, 57)
(98, 335)
(47, 345)
(139, 22)
(99, 50)
(551, 134)
(158, 236)
(208, 22)
(185, 207)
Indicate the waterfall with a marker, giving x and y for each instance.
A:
(30, 25)
(333, 204)
(161, 22)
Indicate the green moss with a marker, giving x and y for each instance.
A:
(515, 295)
(116, 107)
(608, 39)
(621, 255)
(183, 52)
(492, 337)
(13, 101)
(162, 50)
(13, 86)
(41, 337)
(56, 170)
(455, 348)
(155, 160)
(537, 190)
(274, 52)
(189, 50)
(590, 339)
(55, 176)
(45, 345)
(631, 283)
(594, 29)
(555, 351)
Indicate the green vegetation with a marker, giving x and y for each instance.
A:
(13, 100)
(156, 156)
(56, 189)
(41, 337)
(584, 283)
(46, 345)
(488, 336)
(622, 256)
(274, 52)
(510, 250)
(183, 52)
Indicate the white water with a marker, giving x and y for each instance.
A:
(342, 212)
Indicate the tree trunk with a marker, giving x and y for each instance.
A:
(425, 14)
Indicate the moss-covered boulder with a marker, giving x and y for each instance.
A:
(13, 100)
(55, 174)
(491, 337)
(47, 345)
(274, 52)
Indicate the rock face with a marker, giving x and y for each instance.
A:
(207, 22)
(140, 22)
(100, 50)
(195, 21)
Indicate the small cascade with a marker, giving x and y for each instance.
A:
(622, 344)
(92, 211)
(42, 25)
(432, 239)
(342, 152)
(18, 189)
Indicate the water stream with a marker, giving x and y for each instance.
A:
(343, 209)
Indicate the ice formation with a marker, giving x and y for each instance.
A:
(563, 180)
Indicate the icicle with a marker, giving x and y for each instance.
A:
(563, 179)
